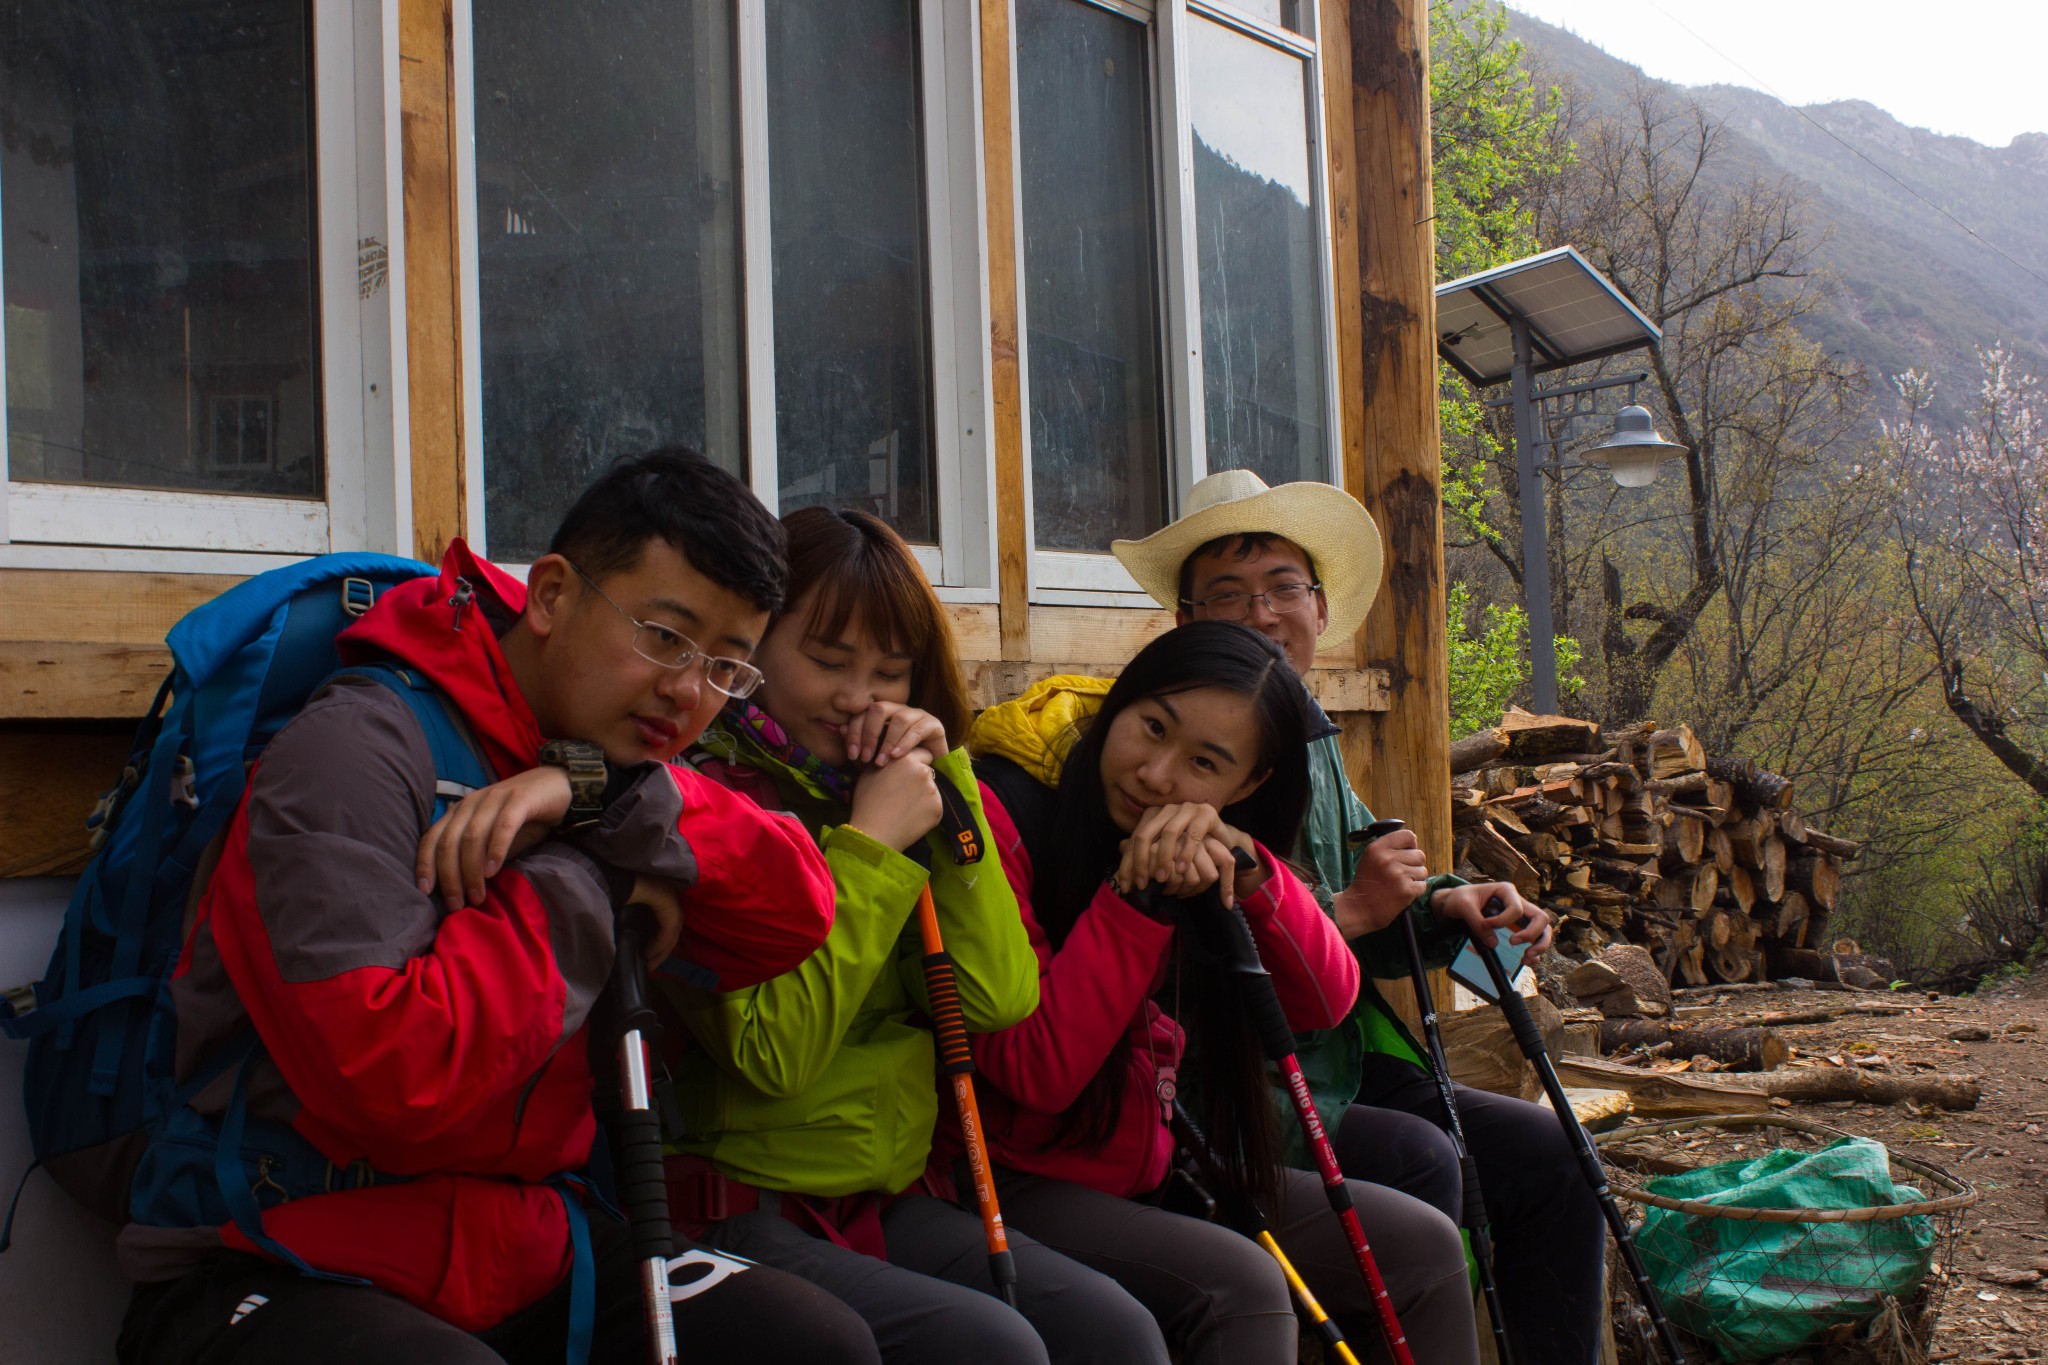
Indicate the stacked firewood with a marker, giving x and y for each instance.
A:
(1638, 835)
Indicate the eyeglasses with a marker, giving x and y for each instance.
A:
(1232, 605)
(672, 649)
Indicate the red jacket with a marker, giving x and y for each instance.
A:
(448, 1047)
(1097, 990)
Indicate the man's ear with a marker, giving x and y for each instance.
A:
(548, 585)
(1181, 616)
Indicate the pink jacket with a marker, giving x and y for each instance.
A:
(1097, 989)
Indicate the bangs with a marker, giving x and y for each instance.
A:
(881, 595)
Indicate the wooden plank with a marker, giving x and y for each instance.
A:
(104, 608)
(62, 680)
(1400, 765)
(999, 144)
(976, 631)
(433, 312)
(49, 781)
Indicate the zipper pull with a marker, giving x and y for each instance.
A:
(462, 600)
(1167, 1088)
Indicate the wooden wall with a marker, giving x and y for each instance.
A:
(81, 653)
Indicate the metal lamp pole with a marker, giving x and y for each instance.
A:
(1535, 528)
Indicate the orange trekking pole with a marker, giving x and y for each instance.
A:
(955, 1059)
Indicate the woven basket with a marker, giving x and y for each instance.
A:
(1894, 1326)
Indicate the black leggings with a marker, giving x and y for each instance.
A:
(1548, 1233)
(249, 1311)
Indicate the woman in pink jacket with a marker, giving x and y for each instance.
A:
(1117, 815)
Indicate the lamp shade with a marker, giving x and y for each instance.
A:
(1634, 451)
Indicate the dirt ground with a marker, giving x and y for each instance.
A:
(1996, 1307)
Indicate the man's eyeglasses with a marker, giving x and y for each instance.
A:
(1232, 605)
(667, 648)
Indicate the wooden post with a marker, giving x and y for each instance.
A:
(1396, 474)
(433, 299)
(1376, 73)
(999, 150)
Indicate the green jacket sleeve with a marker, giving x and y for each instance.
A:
(1383, 954)
(993, 964)
(778, 1037)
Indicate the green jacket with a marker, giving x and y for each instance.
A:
(823, 1081)
(1332, 1059)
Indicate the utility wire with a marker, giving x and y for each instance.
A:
(1856, 151)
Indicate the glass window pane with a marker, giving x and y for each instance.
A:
(157, 199)
(608, 264)
(845, 158)
(1091, 277)
(1283, 13)
(1255, 221)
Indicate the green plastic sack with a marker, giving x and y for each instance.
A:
(1757, 1289)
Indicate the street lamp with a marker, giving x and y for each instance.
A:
(1526, 318)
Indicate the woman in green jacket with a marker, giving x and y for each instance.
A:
(807, 1103)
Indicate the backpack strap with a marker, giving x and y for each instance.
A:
(459, 763)
(1030, 804)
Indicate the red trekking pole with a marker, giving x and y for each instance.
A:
(1278, 1039)
(955, 1059)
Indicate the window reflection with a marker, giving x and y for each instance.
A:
(156, 190)
(608, 266)
(1090, 275)
(1255, 223)
(852, 365)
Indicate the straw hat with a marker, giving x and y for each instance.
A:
(1327, 522)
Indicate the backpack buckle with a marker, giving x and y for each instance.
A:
(358, 595)
(183, 784)
(18, 1001)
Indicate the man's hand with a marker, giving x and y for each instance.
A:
(466, 847)
(1392, 871)
(1468, 904)
(659, 895)
(899, 804)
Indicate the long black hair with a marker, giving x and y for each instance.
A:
(1234, 1099)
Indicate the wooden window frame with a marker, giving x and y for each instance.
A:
(1075, 578)
(962, 564)
(360, 277)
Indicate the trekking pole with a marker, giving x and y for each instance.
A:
(642, 1185)
(1474, 1213)
(956, 1060)
(1530, 1040)
(1278, 1039)
(1251, 1220)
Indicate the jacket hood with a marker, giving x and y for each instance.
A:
(1036, 730)
(447, 628)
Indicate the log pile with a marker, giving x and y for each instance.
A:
(1638, 835)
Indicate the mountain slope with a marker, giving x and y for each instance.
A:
(1911, 287)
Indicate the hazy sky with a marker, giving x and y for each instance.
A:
(1974, 68)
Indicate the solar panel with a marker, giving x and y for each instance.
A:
(1575, 314)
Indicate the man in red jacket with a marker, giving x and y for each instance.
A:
(419, 992)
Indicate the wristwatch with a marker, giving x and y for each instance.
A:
(584, 763)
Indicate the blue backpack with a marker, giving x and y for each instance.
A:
(100, 1086)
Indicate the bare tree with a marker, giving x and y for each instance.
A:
(1719, 259)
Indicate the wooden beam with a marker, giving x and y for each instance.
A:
(1336, 690)
(999, 145)
(103, 608)
(1401, 753)
(61, 680)
(433, 296)
(49, 782)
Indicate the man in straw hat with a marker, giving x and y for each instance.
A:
(1301, 565)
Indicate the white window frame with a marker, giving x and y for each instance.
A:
(1074, 578)
(366, 455)
(962, 564)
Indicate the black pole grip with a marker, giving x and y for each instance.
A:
(956, 818)
(643, 1188)
(949, 1024)
(630, 937)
